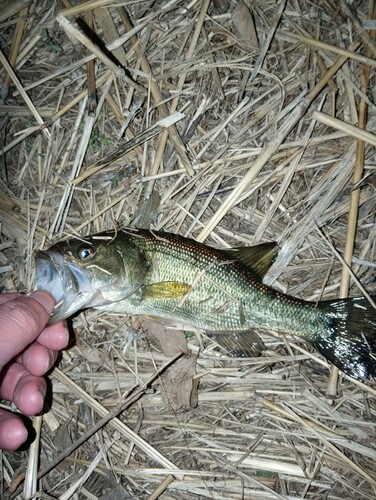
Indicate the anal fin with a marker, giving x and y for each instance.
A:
(241, 344)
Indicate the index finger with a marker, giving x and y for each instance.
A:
(21, 321)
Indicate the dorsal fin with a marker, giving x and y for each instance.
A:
(258, 258)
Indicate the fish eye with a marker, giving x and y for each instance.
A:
(85, 253)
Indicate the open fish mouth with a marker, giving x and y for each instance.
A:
(64, 281)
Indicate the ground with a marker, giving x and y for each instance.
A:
(214, 120)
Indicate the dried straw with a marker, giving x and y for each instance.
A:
(158, 114)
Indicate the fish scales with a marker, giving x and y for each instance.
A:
(224, 296)
(175, 279)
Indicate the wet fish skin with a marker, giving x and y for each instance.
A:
(141, 272)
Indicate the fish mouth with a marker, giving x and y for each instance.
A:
(64, 281)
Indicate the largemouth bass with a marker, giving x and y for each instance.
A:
(166, 276)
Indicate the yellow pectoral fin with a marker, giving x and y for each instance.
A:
(165, 290)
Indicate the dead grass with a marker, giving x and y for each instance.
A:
(176, 119)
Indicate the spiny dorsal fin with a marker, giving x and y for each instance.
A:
(258, 258)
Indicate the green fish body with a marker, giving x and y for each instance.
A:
(166, 276)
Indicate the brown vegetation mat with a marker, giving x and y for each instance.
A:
(231, 125)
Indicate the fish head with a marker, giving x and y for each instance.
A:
(93, 272)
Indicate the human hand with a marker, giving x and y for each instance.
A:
(28, 349)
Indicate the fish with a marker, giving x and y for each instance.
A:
(220, 291)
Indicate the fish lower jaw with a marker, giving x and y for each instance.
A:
(68, 306)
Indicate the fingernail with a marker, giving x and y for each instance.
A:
(52, 357)
(44, 298)
(42, 392)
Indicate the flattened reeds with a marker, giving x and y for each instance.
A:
(179, 125)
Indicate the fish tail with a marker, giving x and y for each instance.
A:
(348, 336)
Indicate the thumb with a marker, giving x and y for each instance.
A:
(21, 321)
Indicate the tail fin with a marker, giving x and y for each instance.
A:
(348, 339)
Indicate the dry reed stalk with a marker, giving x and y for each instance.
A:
(108, 417)
(264, 50)
(79, 97)
(157, 96)
(353, 131)
(298, 112)
(91, 84)
(343, 458)
(174, 104)
(31, 483)
(86, 7)
(267, 465)
(14, 50)
(148, 134)
(88, 125)
(8, 11)
(367, 40)
(77, 64)
(81, 37)
(79, 483)
(25, 52)
(117, 424)
(161, 488)
(24, 95)
(348, 53)
(22, 137)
